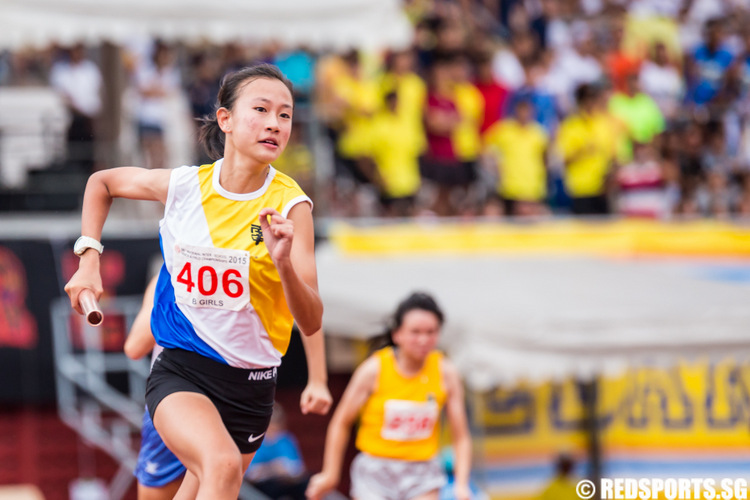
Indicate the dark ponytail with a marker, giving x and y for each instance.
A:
(211, 136)
(417, 300)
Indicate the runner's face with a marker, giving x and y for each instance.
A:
(418, 334)
(261, 120)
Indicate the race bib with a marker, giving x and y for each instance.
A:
(409, 420)
(211, 277)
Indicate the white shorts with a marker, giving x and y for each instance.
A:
(375, 478)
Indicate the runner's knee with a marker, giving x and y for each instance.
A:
(223, 466)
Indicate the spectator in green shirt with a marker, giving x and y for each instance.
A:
(639, 113)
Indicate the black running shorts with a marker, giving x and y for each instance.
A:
(243, 397)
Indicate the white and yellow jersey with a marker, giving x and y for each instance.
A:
(219, 293)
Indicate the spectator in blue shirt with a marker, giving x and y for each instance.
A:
(299, 66)
(545, 104)
(448, 491)
(277, 470)
(708, 67)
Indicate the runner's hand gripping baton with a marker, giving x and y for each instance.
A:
(90, 308)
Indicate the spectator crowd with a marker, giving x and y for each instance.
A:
(516, 107)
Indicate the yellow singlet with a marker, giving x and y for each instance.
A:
(401, 418)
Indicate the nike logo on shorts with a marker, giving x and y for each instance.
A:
(253, 439)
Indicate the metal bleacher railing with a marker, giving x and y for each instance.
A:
(100, 393)
(104, 415)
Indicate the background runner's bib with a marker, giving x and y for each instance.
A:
(219, 293)
(409, 420)
(401, 418)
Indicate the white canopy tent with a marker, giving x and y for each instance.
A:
(336, 24)
(538, 317)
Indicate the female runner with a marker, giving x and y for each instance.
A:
(239, 268)
(399, 393)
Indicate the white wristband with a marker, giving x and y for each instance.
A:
(84, 243)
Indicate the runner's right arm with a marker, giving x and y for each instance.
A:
(103, 186)
(354, 398)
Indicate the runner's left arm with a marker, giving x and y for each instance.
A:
(316, 398)
(140, 340)
(455, 408)
(291, 244)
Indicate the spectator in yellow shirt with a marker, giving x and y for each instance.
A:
(396, 143)
(587, 142)
(297, 161)
(562, 486)
(400, 76)
(360, 97)
(329, 106)
(518, 147)
(467, 140)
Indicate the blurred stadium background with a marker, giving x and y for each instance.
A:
(570, 178)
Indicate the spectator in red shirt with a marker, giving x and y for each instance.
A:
(495, 95)
(440, 164)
